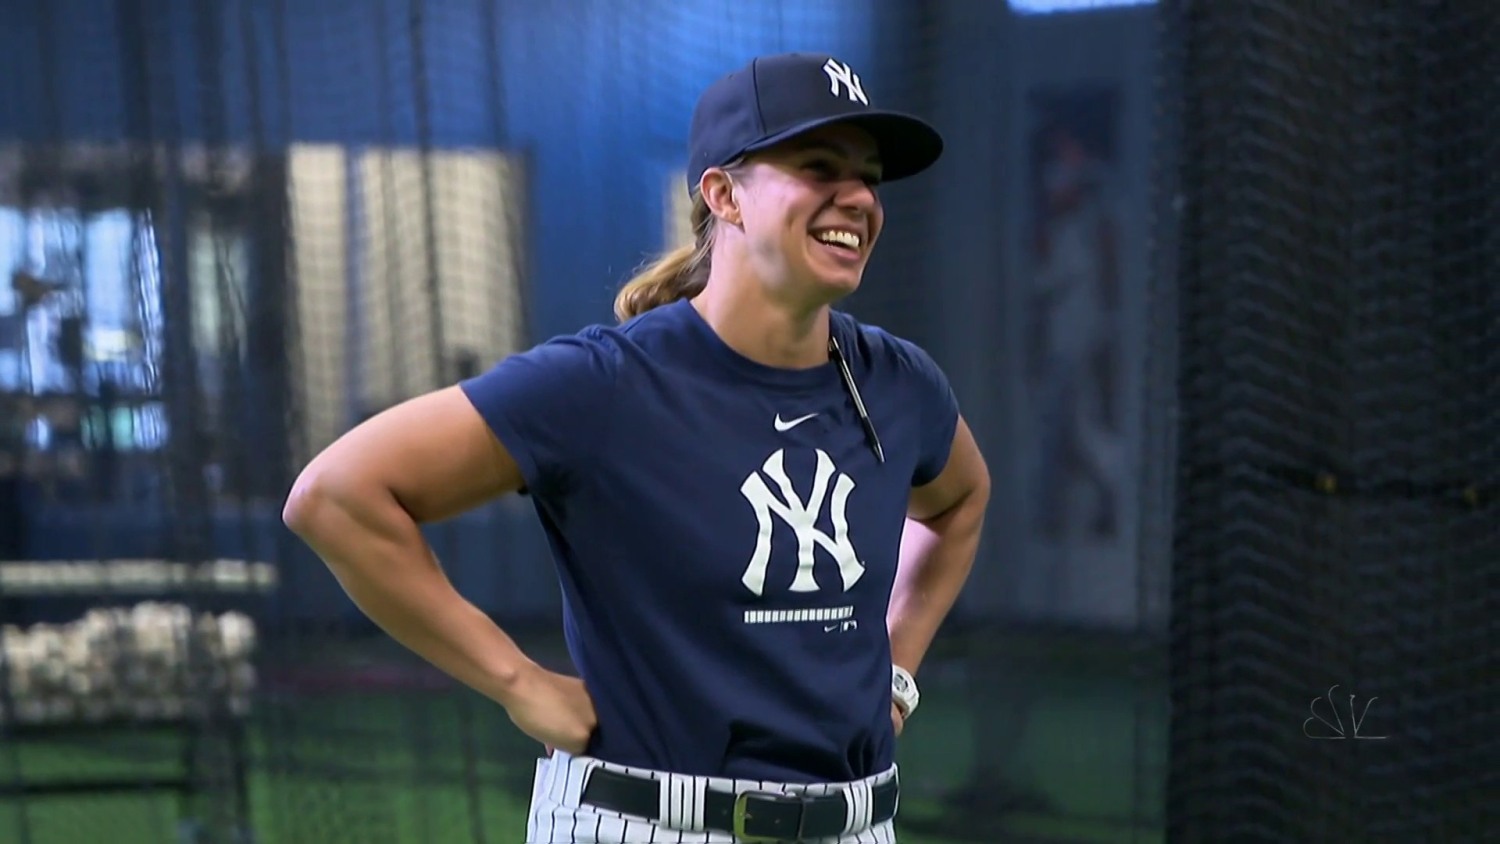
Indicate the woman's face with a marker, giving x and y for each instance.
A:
(810, 211)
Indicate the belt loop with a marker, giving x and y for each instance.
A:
(859, 806)
(681, 798)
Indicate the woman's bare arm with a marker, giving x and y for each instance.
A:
(944, 521)
(359, 503)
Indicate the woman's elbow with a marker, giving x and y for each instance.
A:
(300, 511)
(316, 498)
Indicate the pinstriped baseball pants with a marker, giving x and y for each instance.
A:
(558, 818)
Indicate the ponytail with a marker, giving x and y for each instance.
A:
(679, 274)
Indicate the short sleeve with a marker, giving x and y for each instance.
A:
(939, 415)
(549, 406)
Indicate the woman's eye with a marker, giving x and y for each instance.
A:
(823, 169)
(830, 171)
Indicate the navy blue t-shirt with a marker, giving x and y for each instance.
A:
(725, 539)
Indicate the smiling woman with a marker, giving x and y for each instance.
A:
(790, 181)
(800, 217)
(819, 491)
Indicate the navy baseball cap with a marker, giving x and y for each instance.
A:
(777, 97)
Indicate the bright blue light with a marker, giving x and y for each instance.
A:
(1045, 7)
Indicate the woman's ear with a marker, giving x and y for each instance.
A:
(718, 194)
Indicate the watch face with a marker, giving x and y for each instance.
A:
(901, 684)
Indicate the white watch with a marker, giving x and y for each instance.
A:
(904, 691)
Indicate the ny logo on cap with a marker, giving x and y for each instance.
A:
(842, 74)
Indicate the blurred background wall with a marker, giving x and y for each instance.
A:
(554, 135)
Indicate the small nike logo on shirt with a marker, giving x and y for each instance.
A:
(791, 423)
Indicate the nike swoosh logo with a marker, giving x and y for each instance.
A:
(791, 423)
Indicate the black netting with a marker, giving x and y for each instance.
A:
(177, 336)
(1337, 534)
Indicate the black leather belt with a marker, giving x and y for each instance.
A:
(751, 815)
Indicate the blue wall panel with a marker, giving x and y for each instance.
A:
(597, 92)
(597, 95)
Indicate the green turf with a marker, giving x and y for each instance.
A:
(443, 766)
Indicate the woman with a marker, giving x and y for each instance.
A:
(761, 510)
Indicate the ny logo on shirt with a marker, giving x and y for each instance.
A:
(801, 516)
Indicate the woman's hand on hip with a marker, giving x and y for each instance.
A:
(554, 709)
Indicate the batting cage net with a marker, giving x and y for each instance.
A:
(228, 234)
(1337, 533)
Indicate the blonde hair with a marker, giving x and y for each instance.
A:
(678, 274)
